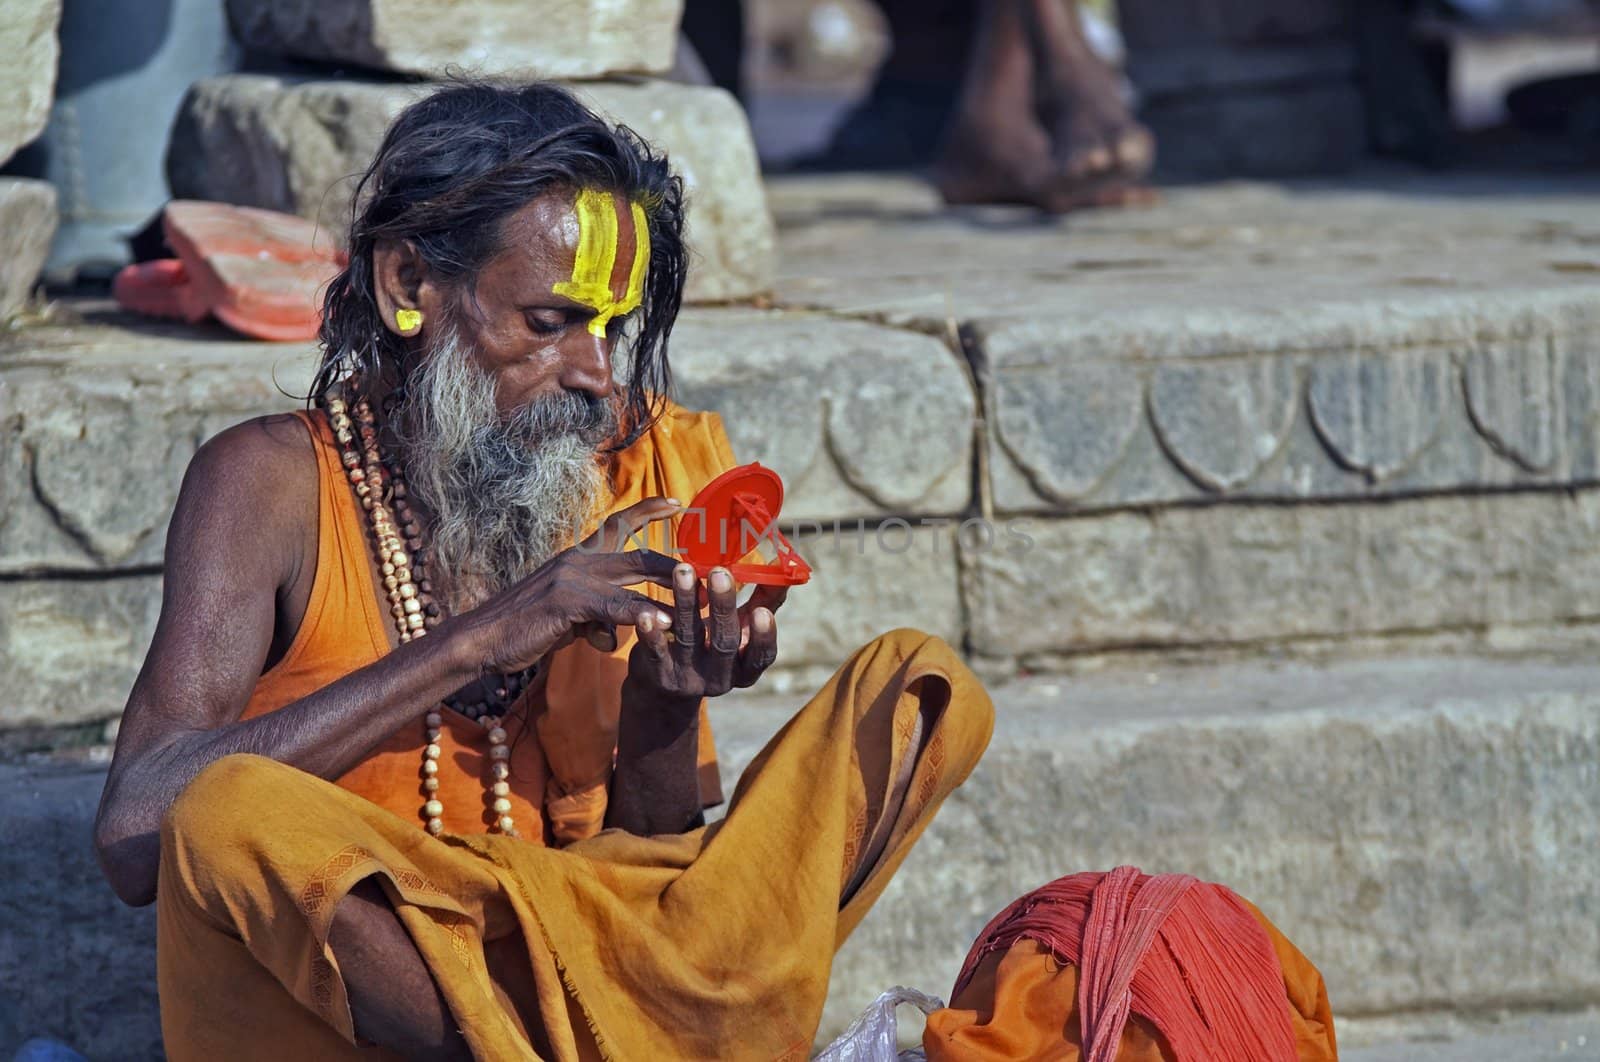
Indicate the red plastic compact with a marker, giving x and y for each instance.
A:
(732, 517)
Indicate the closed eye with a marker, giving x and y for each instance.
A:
(548, 322)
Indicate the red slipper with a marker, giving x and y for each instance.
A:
(258, 271)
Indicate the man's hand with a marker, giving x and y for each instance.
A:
(580, 592)
(705, 657)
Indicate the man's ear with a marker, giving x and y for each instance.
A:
(400, 282)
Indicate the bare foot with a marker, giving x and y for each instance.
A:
(998, 159)
(1041, 119)
(1100, 150)
(1012, 160)
(995, 150)
(1099, 153)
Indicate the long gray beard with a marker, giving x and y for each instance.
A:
(506, 493)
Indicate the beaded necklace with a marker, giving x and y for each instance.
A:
(415, 610)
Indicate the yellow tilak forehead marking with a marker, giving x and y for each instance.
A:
(596, 257)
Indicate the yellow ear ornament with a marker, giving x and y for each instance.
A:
(596, 257)
(408, 320)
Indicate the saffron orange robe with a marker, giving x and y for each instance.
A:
(717, 943)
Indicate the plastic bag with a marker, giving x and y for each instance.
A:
(873, 1037)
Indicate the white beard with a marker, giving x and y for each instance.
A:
(506, 493)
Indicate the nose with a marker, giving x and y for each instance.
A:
(587, 365)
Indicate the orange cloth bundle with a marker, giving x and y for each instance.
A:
(1123, 965)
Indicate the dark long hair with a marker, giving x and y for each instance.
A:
(456, 164)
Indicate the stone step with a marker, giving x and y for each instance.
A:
(1239, 341)
(1427, 479)
(299, 146)
(554, 38)
(1557, 1036)
(1422, 828)
(1260, 346)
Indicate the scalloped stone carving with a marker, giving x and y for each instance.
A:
(1067, 428)
(1514, 402)
(1220, 421)
(1377, 412)
(869, 442)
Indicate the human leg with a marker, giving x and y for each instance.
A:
(995, 150)
(683, 945)
(1100, 150)
(1041, 118)
(261, 956)
(394, 1001)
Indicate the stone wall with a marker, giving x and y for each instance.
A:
(827, 403)
(1155, 457)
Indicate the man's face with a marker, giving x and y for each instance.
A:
(551, 305)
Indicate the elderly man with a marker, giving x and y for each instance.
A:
(409, 772)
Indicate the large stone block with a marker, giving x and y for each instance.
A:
(872, 429)
(27, 225)
(99, 420)
(1271, 131)
(1398, 820)
(28, 80)
(298, 147)
(1239, 575)
(865, 581)
(1182, 24)
(859, 420)
(71, 648)
(548, 38)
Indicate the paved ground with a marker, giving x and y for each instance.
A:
(1268, 252)
(1516, 1038)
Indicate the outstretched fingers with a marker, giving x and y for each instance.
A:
(621, 608)
(770, 598)
(760, 651)
(653, 636)
(634, 566)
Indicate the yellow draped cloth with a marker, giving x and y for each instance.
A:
(715, 944)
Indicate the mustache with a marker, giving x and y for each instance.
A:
(564, 414)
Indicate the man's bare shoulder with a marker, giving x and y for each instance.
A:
(267, 465)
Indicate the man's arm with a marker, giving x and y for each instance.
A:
(654, 788)
(244, 525)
